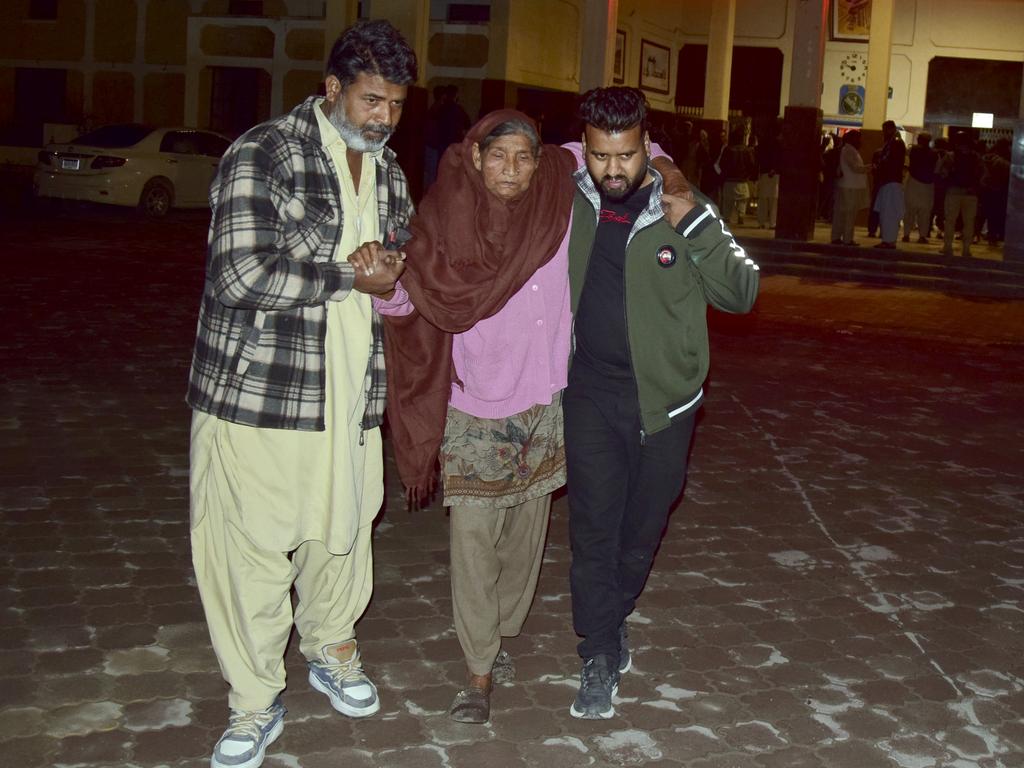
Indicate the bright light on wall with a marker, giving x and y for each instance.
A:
(981, 120)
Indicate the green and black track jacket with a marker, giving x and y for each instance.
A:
(672, 276)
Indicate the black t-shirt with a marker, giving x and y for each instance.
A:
(602, 344)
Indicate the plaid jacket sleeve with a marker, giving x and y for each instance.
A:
(263, 237)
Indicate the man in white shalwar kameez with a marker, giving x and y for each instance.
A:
(287, 388)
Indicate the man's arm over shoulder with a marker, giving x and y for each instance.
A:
(729, 277)
(261, 236)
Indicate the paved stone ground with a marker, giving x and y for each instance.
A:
(843, 584)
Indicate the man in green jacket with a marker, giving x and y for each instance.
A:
(643, 267)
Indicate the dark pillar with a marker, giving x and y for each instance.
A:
(798, 182)
(1013, 247)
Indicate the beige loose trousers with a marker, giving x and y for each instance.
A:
(274, 509)
(495, 558)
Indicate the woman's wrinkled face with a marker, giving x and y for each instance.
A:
(507, 166)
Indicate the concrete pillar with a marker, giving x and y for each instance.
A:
(798, 181)
(89, 63)
(1013, 246)
(720, 37)
(277, 71)
(193, 67)
(412, 19)
(140, 64)
(339, 15)
(810, 31)
(876, 88)
(600, 20)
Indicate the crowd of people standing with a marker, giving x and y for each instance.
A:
(951, 189)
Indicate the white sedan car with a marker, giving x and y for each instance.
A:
(134, 165)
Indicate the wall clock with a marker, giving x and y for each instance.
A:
(853, 68)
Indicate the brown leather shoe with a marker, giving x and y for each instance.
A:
(473, 703)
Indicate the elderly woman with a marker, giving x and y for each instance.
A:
(477, 344)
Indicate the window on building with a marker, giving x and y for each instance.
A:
(245, 7)
(239, 99)
(755, 87)
(39, 98)
(44, 10)
(468, 13)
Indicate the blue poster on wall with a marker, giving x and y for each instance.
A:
(851, 99)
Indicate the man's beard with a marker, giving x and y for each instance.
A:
(370, 138)
(618, 195)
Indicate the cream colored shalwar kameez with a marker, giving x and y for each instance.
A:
(273, 507)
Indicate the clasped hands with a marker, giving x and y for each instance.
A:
(376, 268)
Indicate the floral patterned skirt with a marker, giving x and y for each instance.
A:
(503, 462)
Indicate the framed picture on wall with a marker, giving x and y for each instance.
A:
(851, 20)
(655, 67)
(619, 64)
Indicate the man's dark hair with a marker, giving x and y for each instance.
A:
(615, 109)
(889, 124)
(510, 128)
(376, 48)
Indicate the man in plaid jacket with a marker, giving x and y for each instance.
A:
(287, 387)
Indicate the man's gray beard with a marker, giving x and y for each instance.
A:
(353, 136)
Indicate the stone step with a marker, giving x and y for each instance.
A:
(973, 277)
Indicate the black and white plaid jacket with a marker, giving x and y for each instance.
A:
(277, 219)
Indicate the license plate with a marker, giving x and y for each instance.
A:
(69, 163)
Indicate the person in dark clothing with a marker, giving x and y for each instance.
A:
(829, 174)
(889, 178)
(643, 268)
(942, 148)
(769, 162)
(738, 168)
(995, 187)
(711, 177)
(872, 213)
(962, 170)
(920, 189)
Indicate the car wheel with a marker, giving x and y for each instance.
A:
(156, 198)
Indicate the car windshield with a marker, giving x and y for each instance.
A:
(112, 136)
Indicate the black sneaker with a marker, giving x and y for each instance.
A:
(625, 660)
(599, 681)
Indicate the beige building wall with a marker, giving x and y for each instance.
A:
(115, 41)
(544, 43)
(765, 23)
(923, 30)
(153, 44)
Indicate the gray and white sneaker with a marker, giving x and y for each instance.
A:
(343, 682)
(599, 681)
(245, 742)
(625, 659)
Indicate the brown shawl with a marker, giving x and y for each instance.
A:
(470, 252)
